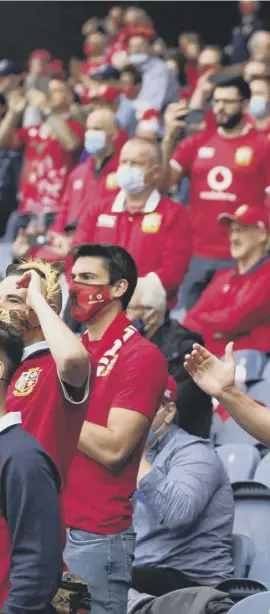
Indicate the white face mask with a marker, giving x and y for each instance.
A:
(138, 58)
(258, 107)
(130, 179)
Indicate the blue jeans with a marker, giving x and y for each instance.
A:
(105, 563)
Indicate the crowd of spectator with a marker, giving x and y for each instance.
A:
(140, 175)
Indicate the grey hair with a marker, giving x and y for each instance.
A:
(151, 295)
(254, 37)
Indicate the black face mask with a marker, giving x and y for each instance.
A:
(233, 121)
(140, 325)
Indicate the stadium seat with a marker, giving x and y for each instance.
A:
(240, 460)
(266, 372)
(257, 604)
(260, 392)
(231, 432)
(260, 567)
(240, 588)
(252, 512)
(243, 555)
(249, 365)
(262, 473)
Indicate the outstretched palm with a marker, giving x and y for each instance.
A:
(211, 374)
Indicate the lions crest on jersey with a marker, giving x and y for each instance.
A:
(26, 382)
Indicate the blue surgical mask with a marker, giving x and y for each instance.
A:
(258, 107)
(130, 179)
(95, 141)
(138, 58)
(140, 325)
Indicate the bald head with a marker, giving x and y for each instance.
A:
(102, 119)
(139, 149)
(259, 46)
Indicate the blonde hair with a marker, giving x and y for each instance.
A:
(49, 272)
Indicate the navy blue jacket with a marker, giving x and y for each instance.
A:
(29, 493)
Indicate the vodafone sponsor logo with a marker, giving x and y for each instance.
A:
(219, 180)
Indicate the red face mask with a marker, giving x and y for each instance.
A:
(87, 300)
(128, 90)
(90, 49)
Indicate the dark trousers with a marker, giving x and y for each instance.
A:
(158, 581)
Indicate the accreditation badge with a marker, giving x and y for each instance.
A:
(151, 222)
(243, 156)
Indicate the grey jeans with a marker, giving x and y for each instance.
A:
(105, 563)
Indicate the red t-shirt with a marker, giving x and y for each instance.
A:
(48, 412)
(45, 167)
(134, 378)
(224, 174)
(50, 415)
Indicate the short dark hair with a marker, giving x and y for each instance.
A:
(238, 81)
(11, 348)
(118, 262)
(134, 72)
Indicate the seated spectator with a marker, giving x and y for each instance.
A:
(259, 104)
(236, 304)
(147, 311)
(91, 182)
(239, 48)
(183, 509)
(153, 228)
(159, 83)
(50, 149)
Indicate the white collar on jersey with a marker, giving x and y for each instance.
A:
(150, 206)
(10, 419)
(34, 348)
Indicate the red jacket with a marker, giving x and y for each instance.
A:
(83, 190)
(237, 307)
(158, 238)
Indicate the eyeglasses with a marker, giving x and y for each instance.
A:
(227, 102)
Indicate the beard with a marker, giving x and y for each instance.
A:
(232, 121)
(16, 319)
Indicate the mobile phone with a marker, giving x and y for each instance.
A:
(38, 240)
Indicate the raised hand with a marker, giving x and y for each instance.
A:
(212, 375)
(34, 284)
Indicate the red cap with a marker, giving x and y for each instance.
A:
(246, 215)
(40, 54)
(170, 392)
(107, 93)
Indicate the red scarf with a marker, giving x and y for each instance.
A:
(105, 350)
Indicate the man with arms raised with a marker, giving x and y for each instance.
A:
(130, 382)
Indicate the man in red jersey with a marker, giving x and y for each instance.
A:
(50, 148)
(50, 388)
(154, 229)
(29, 493)
(227, 167)
(91, 182)
(235, 306)
(130, 382)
